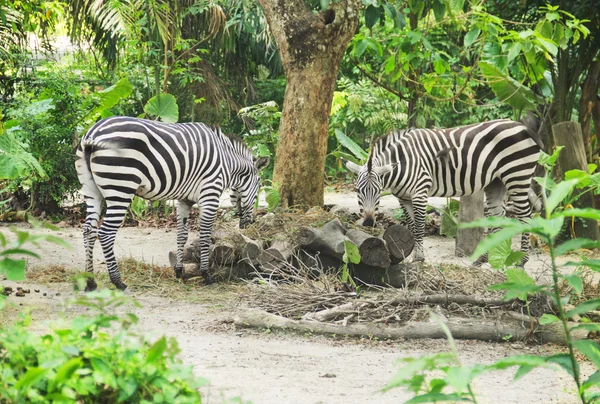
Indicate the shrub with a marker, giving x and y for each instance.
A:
(93, 358)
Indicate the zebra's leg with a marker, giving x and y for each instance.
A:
(419, 205)
(494, 206)
(208, 213)
(236, 202)
(183, 213)
(522, 211)
(408, 214)
(93, 199)
(113, 218)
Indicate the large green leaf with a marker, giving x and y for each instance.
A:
(508, 89)
(372, 15)
(351, 145)
(15, 161)
(109, 97)
(351, 253)
(164, 107)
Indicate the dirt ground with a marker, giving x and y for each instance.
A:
(276, 367)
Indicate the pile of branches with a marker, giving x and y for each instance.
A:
(299, 301)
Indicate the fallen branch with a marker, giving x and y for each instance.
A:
(460, 329)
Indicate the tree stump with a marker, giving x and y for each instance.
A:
(373, 250)
(247, 250)
(328, 239)
(471, 208)
(573, 156)
(276, 256)
(400, 242)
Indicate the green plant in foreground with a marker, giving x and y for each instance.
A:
(93, 358)
(455, 383)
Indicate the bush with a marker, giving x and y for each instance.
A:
(93, 358)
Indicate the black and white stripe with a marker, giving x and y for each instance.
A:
(497, 156)
(122, 157)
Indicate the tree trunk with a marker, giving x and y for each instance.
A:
(471, 209)
(573, 156)
(587, 102)
(311, 46)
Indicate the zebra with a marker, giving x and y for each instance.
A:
(121, 157)
(498, 156)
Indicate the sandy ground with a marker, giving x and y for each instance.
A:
(264, 367)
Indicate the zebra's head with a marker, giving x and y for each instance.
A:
(368, 187)
(245, 187)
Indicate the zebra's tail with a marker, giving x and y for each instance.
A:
(533, 125)
(82, 164)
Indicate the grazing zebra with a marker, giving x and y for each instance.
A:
(122, 157)
(497, 156)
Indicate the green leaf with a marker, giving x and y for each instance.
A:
(518, 275)
(351, 145)
(439, 9)
(499, 254)
(548, 161)
(372, 16)
(564, 361)
(514, 257)
(513, 52)
(324, 4)
(586, 213)
(156, 350)
(593, 380)
(31, 377)
(14, 270)
(272, 198)
(575, 244)
(507, 89)
(351, 252)
(164, 107)
(472, 36)
(15, 161)
(575, 281)
(66, 371)
(460, 377)
(109, 97)
(435, 397)
(548, 319)
(584, 307)
(590, 327)
(559, 193)
(40, 107)
(590, 350)
(12, 251)
(491, 221)
(520, 360)
(449, 222)
(495, 239)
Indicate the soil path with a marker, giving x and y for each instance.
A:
(278, 367)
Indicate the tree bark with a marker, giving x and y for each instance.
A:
(573, 156)
(484, 330)
(311, 46)
(587, 102)
(471, 208)
(400, 242)
(328, 240)
(373, 250)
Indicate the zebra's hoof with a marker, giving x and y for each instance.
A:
(178, 272)
(127, 291)
(90, 285)
(208, 280)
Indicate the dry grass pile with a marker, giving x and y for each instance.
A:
(50, 274)
(452, 291)
(284, 224)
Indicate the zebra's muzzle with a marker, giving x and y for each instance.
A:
(369, 220)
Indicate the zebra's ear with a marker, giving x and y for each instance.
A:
(383, 170)
(261, 163)
(355, 168)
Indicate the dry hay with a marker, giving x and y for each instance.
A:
(296, 295)
(284, 224)
(50, 274)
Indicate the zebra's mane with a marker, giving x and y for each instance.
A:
(236, 142)
(383, 142)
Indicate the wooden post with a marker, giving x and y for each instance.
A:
(573, 156)
(471, 208)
